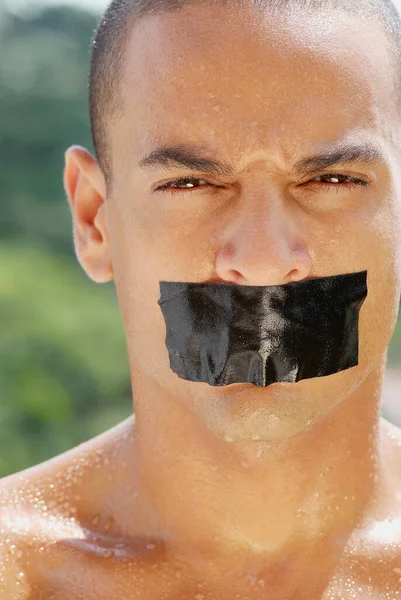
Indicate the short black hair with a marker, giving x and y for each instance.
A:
(109, 45)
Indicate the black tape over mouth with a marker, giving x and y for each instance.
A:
(223, 334)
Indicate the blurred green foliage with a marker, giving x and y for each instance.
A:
(43, 110)
(64, 373)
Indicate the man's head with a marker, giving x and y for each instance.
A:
(247, 95)
(109, 48)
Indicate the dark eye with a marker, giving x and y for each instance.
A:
(339, 179)
(187, 184)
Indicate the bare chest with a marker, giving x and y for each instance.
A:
(112, 577)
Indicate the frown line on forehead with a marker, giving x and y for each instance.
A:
(199, 158)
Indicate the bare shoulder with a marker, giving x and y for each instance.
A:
(67, 471)
(391, 452)
(61, 481)
(48, 503)
(373, 560)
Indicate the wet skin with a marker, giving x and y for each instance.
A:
(65, 537)
(288, 492)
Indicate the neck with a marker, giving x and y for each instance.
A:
(291, 504)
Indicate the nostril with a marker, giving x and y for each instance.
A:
(236, 277)
(294, 275)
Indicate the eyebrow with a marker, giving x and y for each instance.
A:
(193, 158)
(361, 154)
(185, 155)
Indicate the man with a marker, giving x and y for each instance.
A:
(282, 122)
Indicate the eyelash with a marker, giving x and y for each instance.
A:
(354, 182)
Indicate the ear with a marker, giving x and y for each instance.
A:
(85, 187)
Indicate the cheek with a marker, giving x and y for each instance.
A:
(148, 246)
(376, 241)
(176, 237)
(135, 249)
(364, 239)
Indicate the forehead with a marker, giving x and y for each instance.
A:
(249, 82)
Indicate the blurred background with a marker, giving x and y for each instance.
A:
(64, 374)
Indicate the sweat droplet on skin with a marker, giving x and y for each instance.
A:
(108, 523)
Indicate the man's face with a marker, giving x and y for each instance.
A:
(259, 93)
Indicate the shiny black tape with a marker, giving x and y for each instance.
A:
(222, 334)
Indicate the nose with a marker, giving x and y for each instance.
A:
(264, 244)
